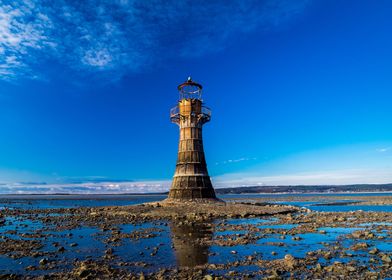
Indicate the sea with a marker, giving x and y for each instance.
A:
(25, 201)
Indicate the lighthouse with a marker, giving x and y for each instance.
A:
(191, 180)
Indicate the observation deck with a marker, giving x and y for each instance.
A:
(204, 115)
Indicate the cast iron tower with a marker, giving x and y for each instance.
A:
(191, 180)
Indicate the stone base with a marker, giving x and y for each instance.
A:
(191, 187)
(203, 210)
(175, 201)
(192, 193)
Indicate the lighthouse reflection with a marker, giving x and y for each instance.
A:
(190, 242)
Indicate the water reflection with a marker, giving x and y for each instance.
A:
(191, 243)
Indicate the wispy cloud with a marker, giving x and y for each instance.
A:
(119, 36)
(383, 150)
(235, 160)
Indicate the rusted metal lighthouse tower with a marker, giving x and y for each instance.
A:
(191, 180)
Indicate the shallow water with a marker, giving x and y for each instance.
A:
(70, 201)
(175, 245)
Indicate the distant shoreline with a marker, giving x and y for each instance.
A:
(294, 193)
(253, 190)
(161, 194)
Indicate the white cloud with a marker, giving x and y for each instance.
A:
(327, 177)
(228, 161)
(99, 58)
(86, 188)
(120, 36)
(22, 33)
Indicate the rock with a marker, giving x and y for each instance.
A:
(109, 251)
(372, 275)
(82, 271)
(274, 253)
(274, 275)
(233, 252)
(208, 277)
(327, 255)
(357, 234)
(35, 254)
(30, 268)
(370, 235)
(290, 261)
(373, 251)
(73, 244)
(360, 246)
(386, 259)
(9, 277)
(319, 267)
(43, 261)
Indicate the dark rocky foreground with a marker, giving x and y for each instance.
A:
(354, 255)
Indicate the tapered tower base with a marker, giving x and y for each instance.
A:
(191, 180)
(189, 187)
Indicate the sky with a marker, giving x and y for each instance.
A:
(300, 92)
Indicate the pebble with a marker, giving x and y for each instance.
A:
(43, 261)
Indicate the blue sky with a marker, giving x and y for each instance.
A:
(300, 92)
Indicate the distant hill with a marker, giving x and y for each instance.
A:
(307, 189)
